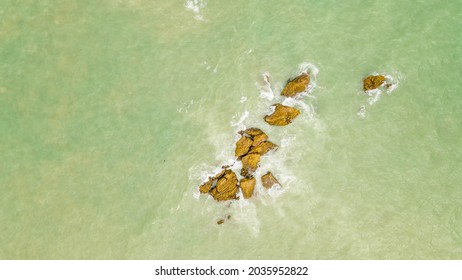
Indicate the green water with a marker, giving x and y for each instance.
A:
(111, 113)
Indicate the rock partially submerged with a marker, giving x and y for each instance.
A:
(250, 163)
(247, 186)
(221, 221)
(268, 180)
(297, 85)
(222, 186)
(282, 115)
(373, 81)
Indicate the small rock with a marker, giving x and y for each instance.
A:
(268, 180)
(282, 115)
(247, 186)
(220, 221)
(373, 82)
(250, 164)
(296, 85)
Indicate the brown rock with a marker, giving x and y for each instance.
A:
(247, 186)
(250, 164)
(296, 85)
(223, 196)
(269, 181)
(373, 82)
(222, 186)
(282, 115)
(263, 148)
(228, 182)
(258, 139)
(226, 186)
(219, 222)
(252, 132)
(207, 186)
(243, 146)
(250, 139)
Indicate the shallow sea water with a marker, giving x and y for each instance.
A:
(112, 113)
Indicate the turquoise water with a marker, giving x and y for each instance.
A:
(113, 112)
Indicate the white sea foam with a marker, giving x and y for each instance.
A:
(313, 71)
(362, 111)
(184, 108)
(196, 6)
(239, 124)
(374, 96)
(265, 89)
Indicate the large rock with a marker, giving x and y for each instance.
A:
(373, 82)
(249, 164)
(222, 186)
(268, 180)
(243, 146)
(282, 115)
(247, 186)
(253, 141)
(263, 148)
(296, 85)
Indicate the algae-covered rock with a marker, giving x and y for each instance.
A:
(247, 186)
(243, 146)
(268, 180)
(282, 115)
(263, 148)
(249, 164)
(296, 85)
(222, 186)
(373, 82)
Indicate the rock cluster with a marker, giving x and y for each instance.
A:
(253, 144)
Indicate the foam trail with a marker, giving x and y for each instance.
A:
(265, 90)
(313, 71)
(362, 111)
(239, 125)
(374, 96)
